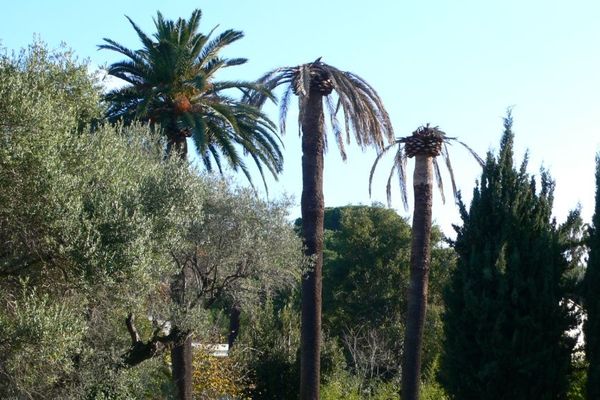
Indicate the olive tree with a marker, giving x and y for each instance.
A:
(95, 226)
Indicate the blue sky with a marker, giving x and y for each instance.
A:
(456, 64)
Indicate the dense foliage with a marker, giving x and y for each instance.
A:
(95, 225)
(592, 300)
(365, 280)
(87, 219)
(506, 313)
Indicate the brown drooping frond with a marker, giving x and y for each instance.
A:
(473, 153)
(399, 166)
(335, 126)
(365, 116)
(270, 80)
(401, 161)
(388, 185)
(363, 109)
(438, 179)
(446, 157)
(425, 140)
(283, 107)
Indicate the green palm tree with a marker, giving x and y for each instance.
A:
(171, 83)
(366, 119)
(425, 145)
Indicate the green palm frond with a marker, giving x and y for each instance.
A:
(114, 46)
(243, 86)
(199, 42)
(270, 81)
(213, 47)
(171, 83)
(146, 41)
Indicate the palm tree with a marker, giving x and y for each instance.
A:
(171, 83)
(425, 144)
(367, 119)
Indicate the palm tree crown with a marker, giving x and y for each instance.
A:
(425, 140)
(171, 82)
(363, 110)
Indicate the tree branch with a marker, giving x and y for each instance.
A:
(135, 336)
(141, 351)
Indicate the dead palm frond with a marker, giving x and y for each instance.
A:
(430, 140)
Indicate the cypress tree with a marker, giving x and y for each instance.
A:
(592, 299)
(505, 322)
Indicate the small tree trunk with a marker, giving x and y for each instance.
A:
(419, 276)
(177, 143)
(312, 205)
(181, 364)
(234, 324)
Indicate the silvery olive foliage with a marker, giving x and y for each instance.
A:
(94, 225)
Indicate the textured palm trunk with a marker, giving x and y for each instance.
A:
(312, 205)
(181, 364)
(419, 276)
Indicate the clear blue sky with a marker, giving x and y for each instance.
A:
(456, 64)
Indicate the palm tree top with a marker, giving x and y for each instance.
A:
(171, 82)
(364, 115)
(426, 140)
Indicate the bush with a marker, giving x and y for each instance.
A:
(217, 378)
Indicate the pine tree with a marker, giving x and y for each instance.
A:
(592, 299)
(505, 322)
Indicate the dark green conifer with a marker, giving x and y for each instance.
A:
(505, 320)
(592, 298)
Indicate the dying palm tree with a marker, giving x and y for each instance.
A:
(366, 119)
(171, 84)
(425, 145)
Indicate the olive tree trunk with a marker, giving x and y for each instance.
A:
(177, 144)
(419, 276)
(181, 365)
(234, 323)
(312, 205)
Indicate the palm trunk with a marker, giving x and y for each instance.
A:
(181, 364)
(419, 276)
(312, 205)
